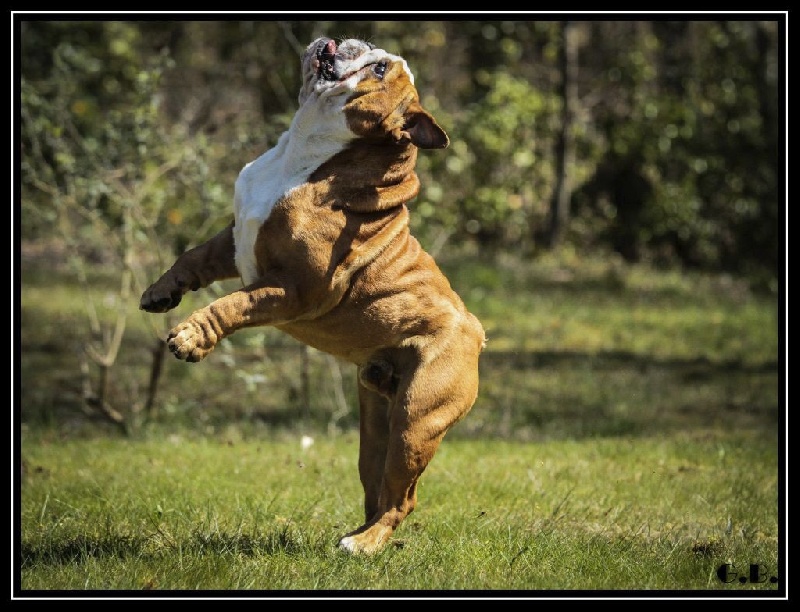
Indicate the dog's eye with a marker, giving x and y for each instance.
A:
(379, 69)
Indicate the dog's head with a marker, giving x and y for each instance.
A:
(374, 89)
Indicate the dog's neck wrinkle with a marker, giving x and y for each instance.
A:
(389, 197)
(370, 176)
(365, 166)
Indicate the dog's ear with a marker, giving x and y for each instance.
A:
(421, 129)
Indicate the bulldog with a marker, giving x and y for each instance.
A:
(320, 239)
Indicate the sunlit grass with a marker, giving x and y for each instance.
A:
(627, 513)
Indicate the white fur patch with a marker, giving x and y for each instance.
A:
(318, 132)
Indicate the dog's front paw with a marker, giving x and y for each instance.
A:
(193, 339)
(166, 293)
(158, 298)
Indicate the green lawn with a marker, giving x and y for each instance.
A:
(265, 514)
(626, 437)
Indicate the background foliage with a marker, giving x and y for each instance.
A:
(675, 130)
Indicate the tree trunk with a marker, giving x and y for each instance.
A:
(564, 151)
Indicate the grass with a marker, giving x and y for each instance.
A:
(264, 514)
(626, 437)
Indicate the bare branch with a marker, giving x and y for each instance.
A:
(97, 403)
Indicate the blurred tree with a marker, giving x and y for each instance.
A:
(677, 112)
(564, 147)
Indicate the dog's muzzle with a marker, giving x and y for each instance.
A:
(326, 64)
(332, 60)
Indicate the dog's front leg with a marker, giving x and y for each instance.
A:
(196, 268)
(269, 301)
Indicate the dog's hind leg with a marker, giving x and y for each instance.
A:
(374, 442)
(399, 437)
(377, 386)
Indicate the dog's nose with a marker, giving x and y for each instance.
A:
(329, 50)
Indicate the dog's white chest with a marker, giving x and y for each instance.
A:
(260, 184)
(318, 131)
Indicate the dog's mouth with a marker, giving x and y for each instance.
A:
(332, 60)
(326, 55)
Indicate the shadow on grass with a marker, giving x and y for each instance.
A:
(280, 540)
(546, 395)
(619, 360)
(525, 395)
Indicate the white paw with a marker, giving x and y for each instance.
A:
(349, 544)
